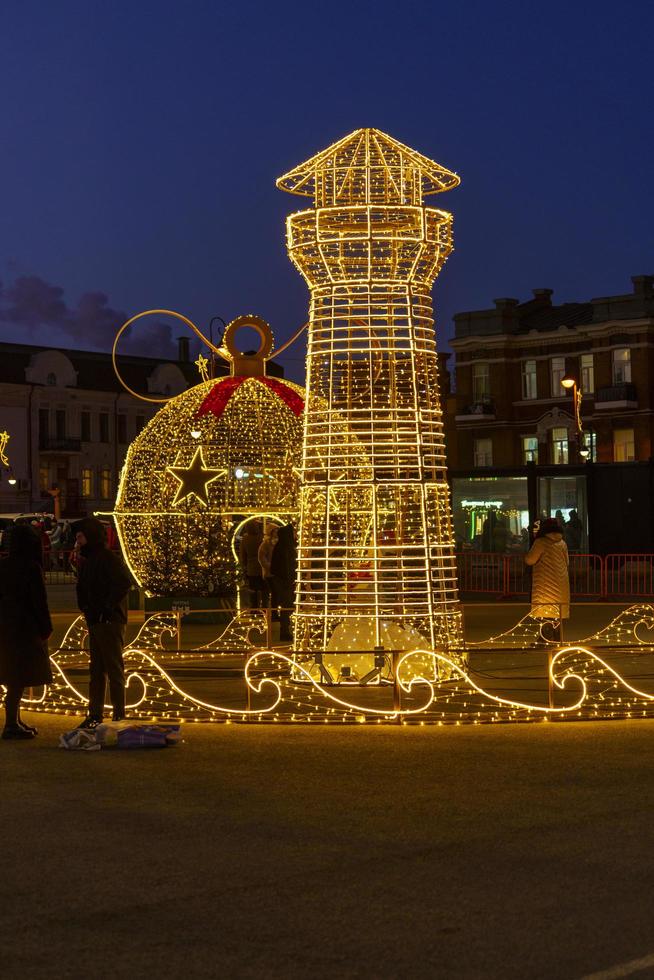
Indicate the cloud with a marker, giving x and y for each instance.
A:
(30, 307)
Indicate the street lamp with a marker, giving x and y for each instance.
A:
(569, 381)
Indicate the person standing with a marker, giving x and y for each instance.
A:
(102, 587)
(282, 570)
(550, 587)
(25, 626)
(251, 540)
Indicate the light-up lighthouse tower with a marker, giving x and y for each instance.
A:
(376, 550)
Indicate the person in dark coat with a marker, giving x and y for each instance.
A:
(25, 626)
(258, 591)
(282, 570)
(102, 587)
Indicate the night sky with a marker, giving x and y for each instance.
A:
(141, 142)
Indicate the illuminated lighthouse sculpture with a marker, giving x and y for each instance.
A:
(376, 566)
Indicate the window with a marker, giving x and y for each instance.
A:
(85, 426)
(51, 379)
(529, 449)
(105, 483)
(587, 373)
(104, 426)
(122, 429)
(589, 446)
(87, 482)
(623, 445)
(559, 445)
(490, 513)
(529, 387)
(557, 372)
(140, 423)
(483, 452)
(480, 383)
(60, 423)
(621, 366)
(44, 476)
(44, 425)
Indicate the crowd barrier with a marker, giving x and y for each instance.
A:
(619, 576)
(616, 576)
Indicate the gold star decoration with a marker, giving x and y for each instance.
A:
(194, 479)
(201, 365)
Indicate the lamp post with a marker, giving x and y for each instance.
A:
(569, 381)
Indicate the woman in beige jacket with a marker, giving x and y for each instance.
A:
(550, 587)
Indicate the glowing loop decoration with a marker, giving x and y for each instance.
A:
(376, 548)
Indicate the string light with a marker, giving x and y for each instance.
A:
(376, 547)
(4, 439)
(277, 688)
(225, 450)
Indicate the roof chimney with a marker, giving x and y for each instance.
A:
(183, 353)
(505, 303)
(643, 285)
(544, 295)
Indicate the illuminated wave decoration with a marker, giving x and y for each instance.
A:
(527, 632)
(634, 625)
(270, 685)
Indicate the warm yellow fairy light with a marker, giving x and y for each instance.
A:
(376, 548)
(275, 686)
(4, 439)
(224, 451)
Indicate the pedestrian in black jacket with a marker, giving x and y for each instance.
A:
(102, 587)
(25, 626)
(282, 569)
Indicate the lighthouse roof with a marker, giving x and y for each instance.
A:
(367, 167)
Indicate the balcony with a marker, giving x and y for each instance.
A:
(52, 445)
(479, 411)
(616, 396)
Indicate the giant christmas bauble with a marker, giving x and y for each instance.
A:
(213, 456)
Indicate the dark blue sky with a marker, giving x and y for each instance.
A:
(141, 141)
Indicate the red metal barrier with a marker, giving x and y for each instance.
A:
(630, 576)
(507, 575)
(481, 572)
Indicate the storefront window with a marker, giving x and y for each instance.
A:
(564, 497)
(490, 514)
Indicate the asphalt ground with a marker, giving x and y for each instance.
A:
(518, 851)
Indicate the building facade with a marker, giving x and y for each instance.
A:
(511, 416)
(70, 421)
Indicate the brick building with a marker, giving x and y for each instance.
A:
(511, 416)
